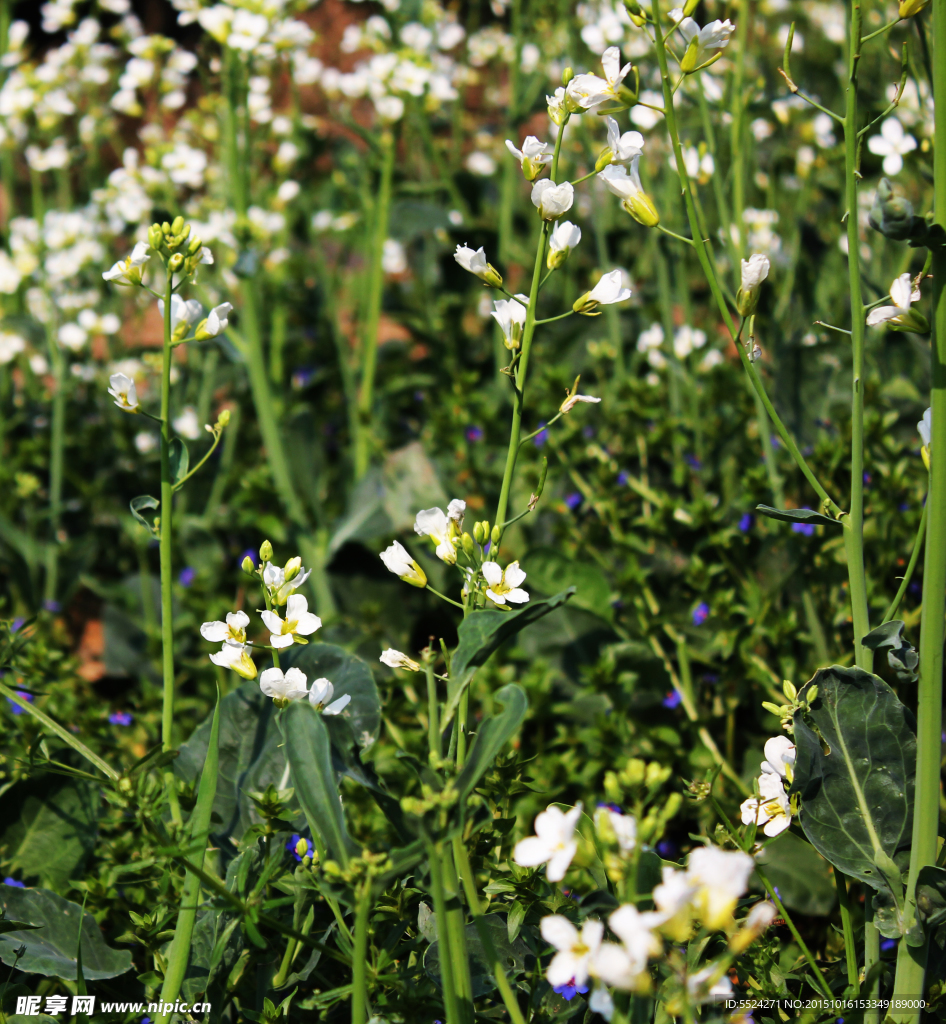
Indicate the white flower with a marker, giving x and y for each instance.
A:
(625, 183)
(395, 659)
(10, 276)
(703, 989)
(609, 289)
(282, 582)
(589, 91)
(95, 323)
(903, 294)
(128, 270)
(511, 317)
(186, 423)
(533, 156)
(475, 263)
(552, 200)
(232, 632)
(771, 809)
(892, 144)
(393, 257)
(700, 41)
(553, 843)
(397, 560)
(298, 623)
(754, 271)
(320, 697)
(237, 659)
(73, 336)
(284, 686)
(185, 165)
(635, 929)
(780, 758)
(216, 323)
(674, 892)
(720, 878)
(557, 106)
(442, 530)
(624, 148)
(504, 583)
(456, 511)
(624, 827)
(11, 345)
(925, 428)
(573, 400)
(480, 163)
(565, 236)
(575, 949)
(123, 391)
(686, 339)
(650, 339)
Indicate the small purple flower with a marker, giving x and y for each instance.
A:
(745, 523)
(569, 990)
(867, 477)
(120, 718)
(672, 700)
(915, 588)
(573, 500)
(16, 625)
(541, 437)
(623, 478)
(187, 576)
(52, 606)
(474, 433)
(693, 462)
(612, 807)
(776, 442)
(588, 431)
(667, 849)
(14, 882)
(903, 506)
(293, 842)
(887, 944)
(302, 376)
(700, 613)
(806, 528)
(15, 708)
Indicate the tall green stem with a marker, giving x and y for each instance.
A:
(520, 379)
(854, 522)
(369, 341)
(459, 954)
(166, 540)
(57, 442)
(451, 1005)
(911, 961)
(359, 963)
(850, 950)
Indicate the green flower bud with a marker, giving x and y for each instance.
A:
(165, 228)
(177, 226)
(604, 159)
(467, 541)
(893, 215)
(195, 246)
(812, 695)
(689, 7)
(567, 75)
(223, 419)
(155, 238)
(266, 551)
(689, 63)
(175, 262)
(773, 708)
(248, 567)
(910, 8)
(641, 208)
(495, 534)
(789, 690)
(292, 568)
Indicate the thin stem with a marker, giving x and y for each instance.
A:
(673, 234)
(854, 522)
(911, 566)
(166, 540)
(552, 319)
(369, 340)
(443, 597)
(482, 930)
(56, 459)
(359, 963)
(911, 961)
(522, 369)
(451, 1006)
(840, 882)
(457, 924)
(433, 711)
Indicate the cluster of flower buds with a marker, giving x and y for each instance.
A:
(431, 801)
(483, 535)
(359, 869)
(786, 712)
(180, 253)
(280, 582)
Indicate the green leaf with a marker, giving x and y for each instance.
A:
(854, 769)
(55, 829)
(141, 502)
(492, 735)
(550, 572)
(15, 926)
(902, 656)
(512, 955)
(796, 515)
(483, 632)
(514, 919)
(801, 875)
(51, 949)
(931, 896)
(310, 760)
(360, 721)
(179, 458)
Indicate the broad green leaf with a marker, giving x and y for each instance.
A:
(310, 761)
(51, 948)
(550, 572)
(931, 896)
(797, 515)
(349, 675)
(409, 483)
(854, 769)
(801, 875)
(54, 831)
(483, 632)
(512, 955)
(902, 656)
(143, 501)
(250, 758)
(492, 735)
(180, 459)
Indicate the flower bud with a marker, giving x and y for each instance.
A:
(467, 541)
(641, 207)
(178, 225)
(478, 535)
(292, 568)
(910, 8)
(247, 566)
(812, 695)
(302, 848)
(266, 551)
(567, 75)
(495, 534)
(689, 7)
(155, 238)
(175, 262)
(604, 159)
(195, 246)
(688, 63)
(772, 708)
(223, 419)
(789, 690)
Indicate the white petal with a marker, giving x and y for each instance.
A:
(514, 575)
(215, 632)
(882, 314)
(336, 707)
(492, 574)
(272, 682)
(307, 623)
(901, 291)
(531, 852)
(565, 966)
(296, 607)
(238, 620)
(272, 621)
(517, 595)
(559, 932)
(431, 522)
(558, 864)
(496, 598)
(280, 640)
